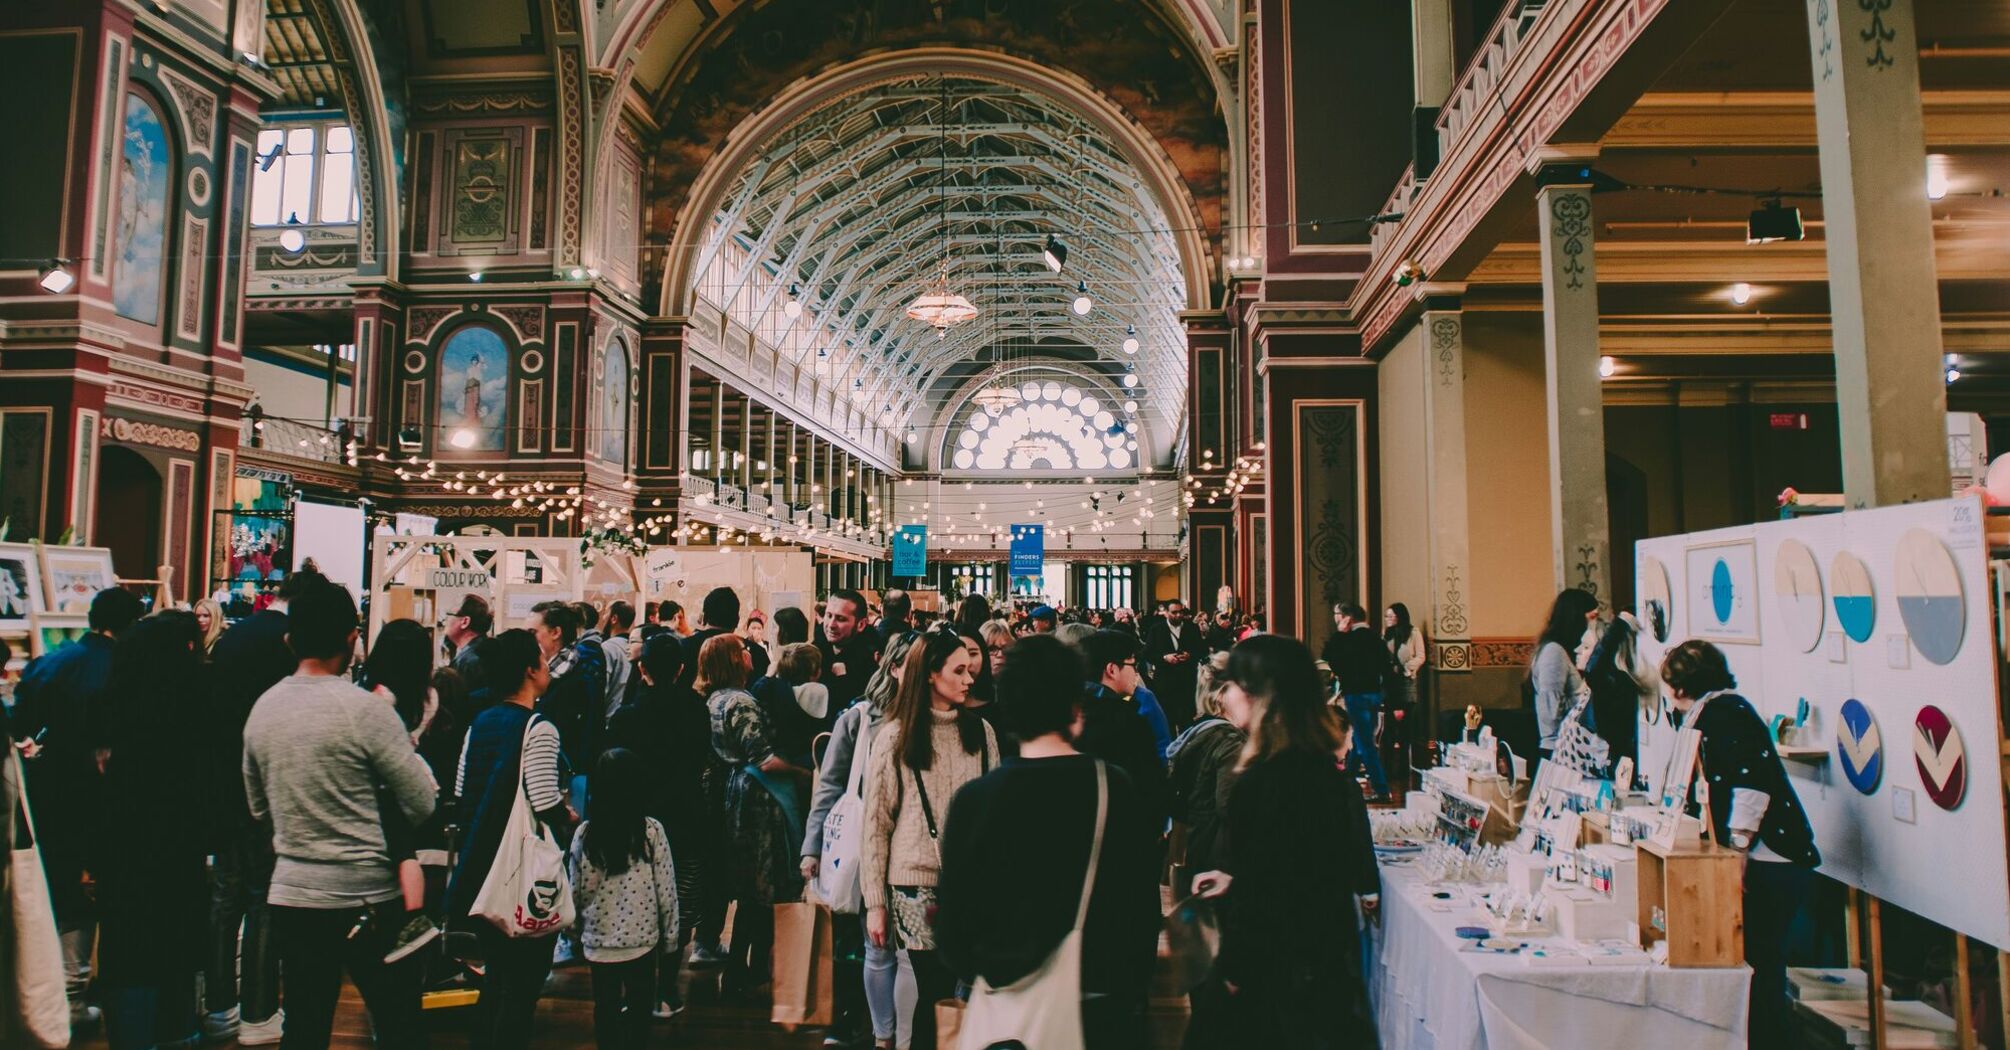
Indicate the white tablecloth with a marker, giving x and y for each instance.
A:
(1429, 994)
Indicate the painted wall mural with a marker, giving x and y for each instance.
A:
(144, 163)
(474, 387)
(613, 443)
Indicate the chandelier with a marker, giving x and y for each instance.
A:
(938, 306)
(996, 399)
(1032, 448)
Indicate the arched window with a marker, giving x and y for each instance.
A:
(146, 170)
(613, 394)
(1055, 425)
(473, 390)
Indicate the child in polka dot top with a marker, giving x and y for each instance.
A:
(626, 889)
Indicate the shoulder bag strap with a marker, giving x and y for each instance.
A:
(1095, 843)
(861, 754)
(927, 811)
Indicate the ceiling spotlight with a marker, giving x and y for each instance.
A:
(1953, 368)
(292, 240)
(912, 437)
(1774, 222)
(1130, 339)
(56, 277)
(1741, 293)
(1936, 179)
(1083, 304)
(577, 273)
(475, 276)
(1606, 367)
(1055, 254)
(794, 307)
(462, 437)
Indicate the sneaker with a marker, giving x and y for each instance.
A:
(416, 934)
(218, 1026)
(262, 1033)
(666, 1010)
(84, 1017)
(707, 955)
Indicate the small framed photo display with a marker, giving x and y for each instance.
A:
(54, 629)
(20, 587)
(72, 576)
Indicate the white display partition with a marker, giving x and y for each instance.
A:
(425, 577)
(764, 578)
(1899, 621)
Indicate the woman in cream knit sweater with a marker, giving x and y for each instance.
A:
(908, 788)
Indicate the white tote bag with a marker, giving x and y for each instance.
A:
(1042, 1010)
(40, 999)
(527, 892)
(844, 825)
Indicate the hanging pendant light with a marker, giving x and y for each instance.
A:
(938, 306)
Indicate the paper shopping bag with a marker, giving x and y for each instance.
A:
(40, 1003)
(949, 1022)
(803, 985)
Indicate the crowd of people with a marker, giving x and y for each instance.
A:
(258, 809)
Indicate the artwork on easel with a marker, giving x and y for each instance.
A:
(20, 587)
(1722, 592)
(53, 630)
(72, 576)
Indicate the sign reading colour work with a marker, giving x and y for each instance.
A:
(1029, 550)
(910, 550)
(1902, 583)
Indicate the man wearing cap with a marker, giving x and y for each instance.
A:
(1043, 619)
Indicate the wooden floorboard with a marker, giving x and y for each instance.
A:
(565, 1022)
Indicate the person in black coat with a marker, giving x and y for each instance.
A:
(850, 649)
(721, 615)
(1015, 853)
(1751, 807)
(151, 857)
(1175, 649)
(1300, 855)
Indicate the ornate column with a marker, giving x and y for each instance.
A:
(1884, 300)
(1445, 459)
(746, 470)
(774, 455)
(1580, 539)
(718, 434)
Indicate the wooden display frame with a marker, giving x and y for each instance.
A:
(1700, 893)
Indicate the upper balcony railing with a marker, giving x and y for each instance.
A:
(288, 438)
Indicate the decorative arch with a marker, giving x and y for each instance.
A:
(1161, 177)
(958, 413)
(142, 226)
(471, 389)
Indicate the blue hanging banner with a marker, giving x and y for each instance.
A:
(910, 550)
(1029, 550)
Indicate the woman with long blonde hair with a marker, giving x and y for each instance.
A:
(210, 621)
(1289, 973)
(932, 745)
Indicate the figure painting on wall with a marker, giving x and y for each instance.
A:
(474, 383)
(142, 217)
(614, 405)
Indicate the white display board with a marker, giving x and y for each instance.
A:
(765, 579)
(1909, 811)
(334, 537)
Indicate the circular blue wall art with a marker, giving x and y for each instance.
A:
(1860, 747)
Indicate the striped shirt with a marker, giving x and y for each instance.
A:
(540, 766)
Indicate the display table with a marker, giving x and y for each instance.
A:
(1431, 993)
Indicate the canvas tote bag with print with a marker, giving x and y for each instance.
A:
(40, 1000)
(527, 892)
(1042, 1010)
(844, 825)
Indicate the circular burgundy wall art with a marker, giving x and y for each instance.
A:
(1943, 765)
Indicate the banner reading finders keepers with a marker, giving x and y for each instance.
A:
(1029, 550)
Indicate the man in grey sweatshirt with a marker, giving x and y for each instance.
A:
(318, 754)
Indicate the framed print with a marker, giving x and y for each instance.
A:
(1721, 591)
(54, 629)
(72, 576)
(20, 587)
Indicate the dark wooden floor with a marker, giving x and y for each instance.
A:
(565, 1022)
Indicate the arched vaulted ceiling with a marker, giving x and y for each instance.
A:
(864, 201)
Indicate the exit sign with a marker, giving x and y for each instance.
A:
(1790, 420)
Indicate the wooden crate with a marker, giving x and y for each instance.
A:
(1700, 891)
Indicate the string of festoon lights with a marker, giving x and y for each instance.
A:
(1247, 466)
(1102, 509)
